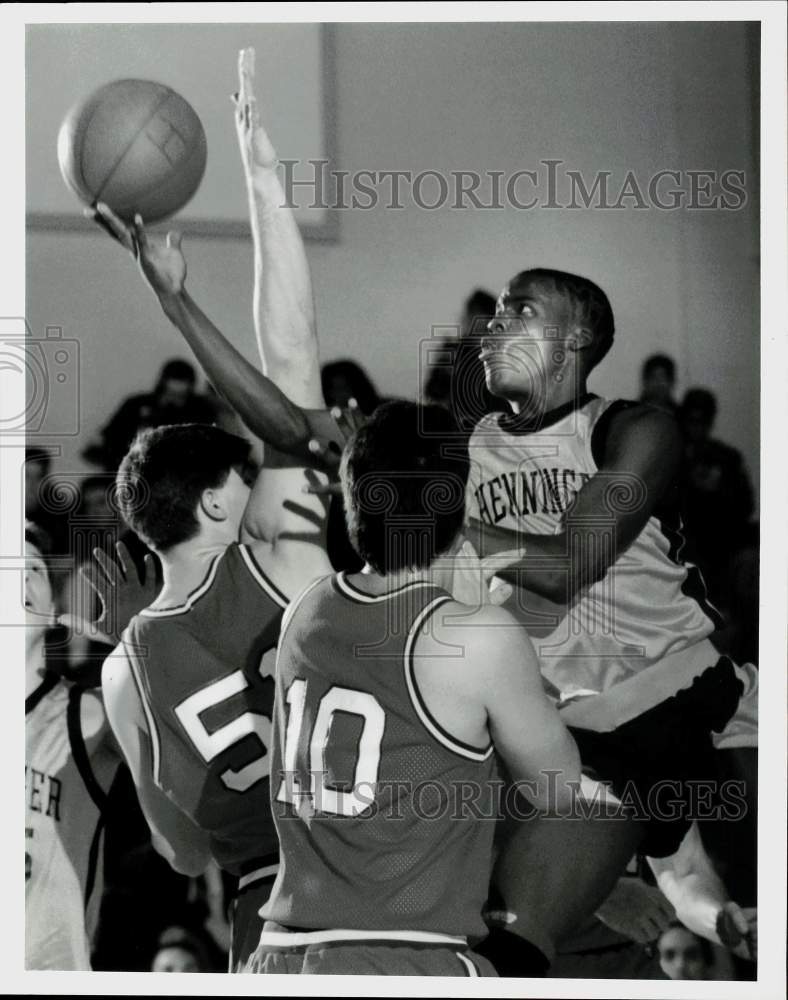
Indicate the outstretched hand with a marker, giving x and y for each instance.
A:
(122, 594)
(326, 449)
(257, 151)
(737, 929)
(160, 258)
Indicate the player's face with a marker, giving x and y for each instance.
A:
(522, 350)
(680, 956)
(39, 605)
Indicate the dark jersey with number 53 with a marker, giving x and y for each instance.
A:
(204, 671)
(385, 820)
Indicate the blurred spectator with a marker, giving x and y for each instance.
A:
(41, 503)
(172, 401)
(180, 951)
(343, 380)
(658, 382)
(456, 377)
(683, 955)
(717, 498)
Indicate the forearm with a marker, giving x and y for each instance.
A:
(265, 410)
(539, 563)
(284, 314)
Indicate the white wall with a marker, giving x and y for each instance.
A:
(485, 97)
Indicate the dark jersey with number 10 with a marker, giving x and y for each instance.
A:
(385, 820)
(204, 672)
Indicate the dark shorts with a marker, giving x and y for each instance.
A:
(246, 923)
(663, 765)
(368, 958)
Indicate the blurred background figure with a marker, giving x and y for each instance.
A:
(456, 377)
(180, 951)
(683, 955)
(174, 400)
(717, 497)
(344, 380)
(40, 505)
(658, 382)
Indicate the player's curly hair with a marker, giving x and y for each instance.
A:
(403, 479)
(591, 306)
(164, 473)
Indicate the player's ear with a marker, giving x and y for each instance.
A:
(580, 339)
(212, 505)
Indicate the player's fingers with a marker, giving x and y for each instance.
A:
(139, 230)
(109, 566)
(150, 569)
(123, 559)
(88, 575)
(737, 918)
(174, 239)
(356, 416)
(110, 223)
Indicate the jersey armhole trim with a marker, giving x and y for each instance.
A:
(431, 724)
(287, 617)
(153, 732)
(50, 680)
(261, 577)
(80, 751)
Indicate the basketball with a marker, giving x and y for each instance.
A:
(136, 145)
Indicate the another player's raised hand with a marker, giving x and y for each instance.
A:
(160, 258)
(327, 449)
(122, 594)
(636, 910)
(257, 151)
(737, 929)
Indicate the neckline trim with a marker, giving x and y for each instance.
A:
(514, 423)
(360, 597)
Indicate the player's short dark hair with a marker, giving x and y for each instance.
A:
(657, 361)
(591, 306)
(403, 478)
(164, 473)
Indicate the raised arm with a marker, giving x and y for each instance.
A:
(265, 410)
(284, 313)
(640, 461)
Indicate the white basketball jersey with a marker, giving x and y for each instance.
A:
(67, 769)
(649, 605)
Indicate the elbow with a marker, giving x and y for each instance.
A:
(189, 864)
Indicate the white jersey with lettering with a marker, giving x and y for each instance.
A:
(650, 609)
(69, 766)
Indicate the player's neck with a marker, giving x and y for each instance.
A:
(372, 582)
(35, 659)
(184, 567)
(558, 394)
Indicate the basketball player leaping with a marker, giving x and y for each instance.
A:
(391, 698)
(190, 689)
(581, 488)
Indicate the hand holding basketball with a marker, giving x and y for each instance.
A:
(160, 258)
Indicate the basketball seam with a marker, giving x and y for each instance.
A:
(119, 160)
